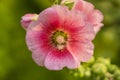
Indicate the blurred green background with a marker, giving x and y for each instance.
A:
(15, 59)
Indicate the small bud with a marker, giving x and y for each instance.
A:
(81, 70)
(99, 68)
(109, 75)
(112, 68)
(27, 19)
(76, 74)
(104, 61)
(88, 73)
(105, 78)
(117, 73)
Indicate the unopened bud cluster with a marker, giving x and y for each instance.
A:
(99, 69)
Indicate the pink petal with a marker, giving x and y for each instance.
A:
(83, 6)
(95, 17)
(74, 19)
(82, 33)
(87, 32)
(79, 43)
(32, 43)
(62, 11)
(83, 51)
(87, 50)
(49, 18)
(97, 27)
(56, 60)
(27, 19)
(38, 46)
(68, 18)
(39, 57)
(60, 16)
(35, 26)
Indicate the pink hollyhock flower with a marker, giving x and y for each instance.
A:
(27, 19)
(93, 16)
(60, 38)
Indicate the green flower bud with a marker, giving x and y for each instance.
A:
(117, 73)
(97, 78)
(112, 68)
(76, 74)
(92, 60)
(104, 61)
(99, 68)
(105, 78)
(88, 73)
(81, 70)
(118, 78)
(109, 75)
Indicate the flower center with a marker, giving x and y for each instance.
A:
(59, 39)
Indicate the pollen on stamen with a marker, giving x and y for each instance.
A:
(60, 39)
(60, 46)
